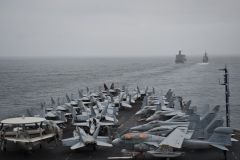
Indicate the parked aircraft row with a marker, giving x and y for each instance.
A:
(171, 126)
(92, 113)
(167, 124)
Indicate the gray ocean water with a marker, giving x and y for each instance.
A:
(24, 83)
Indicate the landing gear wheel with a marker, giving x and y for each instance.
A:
(94, 148)
(139, 156)
(3, 146)
(225, 155)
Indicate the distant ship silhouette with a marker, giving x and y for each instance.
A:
(180, 58)
(205, 58)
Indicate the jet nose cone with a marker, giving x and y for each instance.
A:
(116, 141)
(150, 119)
(139, 112)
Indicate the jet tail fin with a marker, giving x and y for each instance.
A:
(68, 98)
(170, 104)
(80, 143)
(208, 117)
(115, 120)
(105, 87)
(80, 93)
(43, 109)
(73, 115)
(112, 86)
(146, 90)
(58, 101)
(144, 103)
(209, 130)
(153, 90)
(138, 90)
(52, 101)
(169, 94)
(82, 106)
(81, 133)
(62, 117)
(130, 99)
(187, 105)
(216, 108)
(221, 137)
(87, 90)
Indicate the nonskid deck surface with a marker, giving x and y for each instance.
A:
(53, 151)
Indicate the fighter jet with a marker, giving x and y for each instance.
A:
(122, 100)
(165, 129)
(140, 142)
(82, 139)
(155, 103)
(197, 128)
(208, 122)
(168, 95)
(103, 117)
(153, 110)
(154, 124)
(169, 112)
(143, 142)
(136, 94)
(111, 90)
(220, 139)
(70, 101)
(58, 116)
(140, 93)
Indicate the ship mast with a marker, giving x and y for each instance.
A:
(227, 94)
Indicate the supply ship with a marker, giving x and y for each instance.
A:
(180, 58)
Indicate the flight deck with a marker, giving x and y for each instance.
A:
(127, 119)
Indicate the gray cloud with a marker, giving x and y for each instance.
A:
(118, 27)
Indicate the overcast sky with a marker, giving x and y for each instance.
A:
(119, 27)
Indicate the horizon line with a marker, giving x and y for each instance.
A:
(142, 56)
